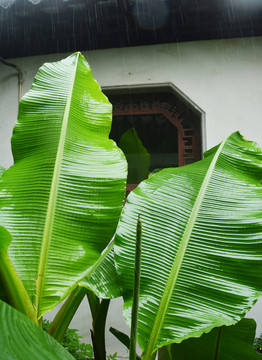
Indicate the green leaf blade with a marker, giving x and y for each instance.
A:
(217, 280)
(122, 337)
(22, 339)
(66, 189)
(225, 343)
(103, 278)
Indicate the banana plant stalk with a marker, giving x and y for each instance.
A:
(99, 309)
(66, 313)
(137, 271)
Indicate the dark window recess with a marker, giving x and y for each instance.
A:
(155, 131)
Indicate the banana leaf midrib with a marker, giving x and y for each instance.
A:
(88, 273)
(99, 261)
(171, 282)
(52, 198)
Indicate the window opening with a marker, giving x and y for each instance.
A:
(154, 131)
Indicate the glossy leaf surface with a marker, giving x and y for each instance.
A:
(103, 280)
(225, 343)
(21, 339)
(201, 245)
(62, 198)
(11, 285)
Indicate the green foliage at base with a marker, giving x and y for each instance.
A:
(258, 344)
(72, 343)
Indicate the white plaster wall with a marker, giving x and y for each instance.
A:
(223, 77)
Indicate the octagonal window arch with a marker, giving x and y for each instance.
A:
(156, 127)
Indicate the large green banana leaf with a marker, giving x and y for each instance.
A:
(62, 198)
(225, 343)
(21, 339)
(201, 245)
(103, 280)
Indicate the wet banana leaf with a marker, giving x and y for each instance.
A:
(22, 339)
(62, 198)
(225, 343)
(201, 245)
(12, 289)
(103, 280)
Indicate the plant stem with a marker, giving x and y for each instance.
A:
(94, 303)
(66, 313)
(16, 292)
(99, 311)
(136, 290)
